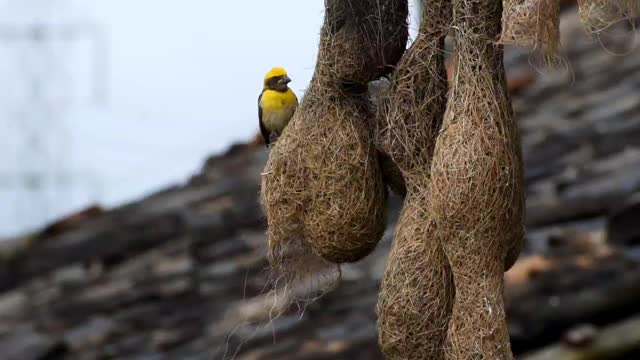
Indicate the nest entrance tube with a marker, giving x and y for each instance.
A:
(477, 185)
(416, 294)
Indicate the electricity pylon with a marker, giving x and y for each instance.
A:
(35, 104)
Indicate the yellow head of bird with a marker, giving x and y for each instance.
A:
(277, 79)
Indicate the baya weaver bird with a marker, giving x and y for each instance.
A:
(276, 104)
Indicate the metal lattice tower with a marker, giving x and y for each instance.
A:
(36, 101)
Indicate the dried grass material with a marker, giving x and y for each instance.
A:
(410, 112)
(322, 188)
(322, 184)
(391, 174)
(322, 193)
(278, 301)
(417, 290)
(533, 24)
(416, 296)
(361, 40)
(477, 185)
(598, 15)
(299, 275)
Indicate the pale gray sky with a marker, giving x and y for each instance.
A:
(192, 60)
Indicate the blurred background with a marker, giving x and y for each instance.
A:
(130, 170)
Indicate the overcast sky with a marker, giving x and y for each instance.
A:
(183, 80)
(203, 60)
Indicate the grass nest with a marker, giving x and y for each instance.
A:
(322, 182)
(477, 194)
(416, 295)
(323, 192)
(599, 15)
(532, 24)
(361, 40)
(417, 291)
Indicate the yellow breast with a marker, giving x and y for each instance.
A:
(275, 100)
(277, 108)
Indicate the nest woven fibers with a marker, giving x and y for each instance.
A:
(416, 295)
(532, 24)
(477, 193)
(599, 15)
(361, 40)
(410, 112)
(417, 291)
(322, 188)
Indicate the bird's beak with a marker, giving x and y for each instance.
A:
(286, 80)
